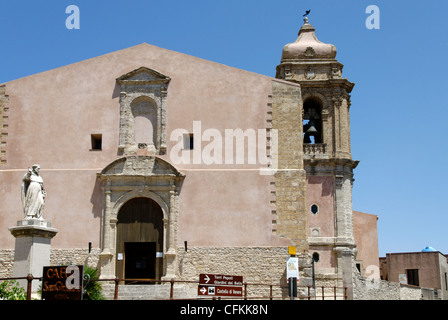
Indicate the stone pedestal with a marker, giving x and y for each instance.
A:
(32, 248)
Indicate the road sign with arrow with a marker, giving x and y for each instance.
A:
(220, 285)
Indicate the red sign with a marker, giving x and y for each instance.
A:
(220, 280)
(229, 291)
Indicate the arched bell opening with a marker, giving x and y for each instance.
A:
(312, 121)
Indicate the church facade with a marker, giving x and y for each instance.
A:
(161, 165)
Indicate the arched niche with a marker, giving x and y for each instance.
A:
(142, 130)
(144, 114)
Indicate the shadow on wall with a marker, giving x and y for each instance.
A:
(327, 184)
(96, 199)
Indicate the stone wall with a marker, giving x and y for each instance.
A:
(57, 257)
(74, 257)
(375, 289)
(262, 265)
(6, 262)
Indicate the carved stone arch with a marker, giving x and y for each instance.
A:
(322, 148)
(133, 177)
(141, 194)
(307, 94)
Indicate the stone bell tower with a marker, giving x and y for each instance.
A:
(327, 154)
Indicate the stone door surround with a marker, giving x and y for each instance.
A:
(139, 176)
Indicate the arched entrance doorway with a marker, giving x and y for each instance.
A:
(140, 240)
(156, 184)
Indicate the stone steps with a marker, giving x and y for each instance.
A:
(149, 292)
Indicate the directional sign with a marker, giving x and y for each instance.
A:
(220, 285)
(220, 280)
(229, 291)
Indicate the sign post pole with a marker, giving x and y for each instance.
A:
(292, 272)
(292, 288)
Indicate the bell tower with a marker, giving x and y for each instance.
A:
(327, 154)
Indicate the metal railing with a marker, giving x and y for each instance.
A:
(312, 292)
(29, 278)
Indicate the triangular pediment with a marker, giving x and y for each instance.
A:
(143, 74)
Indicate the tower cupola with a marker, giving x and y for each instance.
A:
(307, 46)
(307, 58)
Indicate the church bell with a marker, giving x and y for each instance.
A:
(310, 131)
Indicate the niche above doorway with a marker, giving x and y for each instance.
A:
(143, 94)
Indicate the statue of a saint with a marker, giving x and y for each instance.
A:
(33, 194)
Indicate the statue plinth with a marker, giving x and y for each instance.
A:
(33, 228)
(32, 248)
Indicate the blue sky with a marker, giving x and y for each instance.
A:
(399, 108)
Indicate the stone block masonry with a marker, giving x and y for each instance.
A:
(57, 257)
(4, 111)
(290, 178)
(6, 262)
(266, 265)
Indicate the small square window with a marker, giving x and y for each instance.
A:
(97, 141)
(188, 141)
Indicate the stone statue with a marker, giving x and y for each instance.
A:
(33, 193)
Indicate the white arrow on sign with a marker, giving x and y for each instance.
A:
(203, 290)
(207, 279)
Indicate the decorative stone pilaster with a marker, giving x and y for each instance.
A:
(345, 261)
(343, 206)
(107, 253)
(341, 102)
(171, 247)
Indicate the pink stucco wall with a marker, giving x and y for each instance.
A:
(366, 238)
(320, 191)
(428, 265)
(52, 115)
